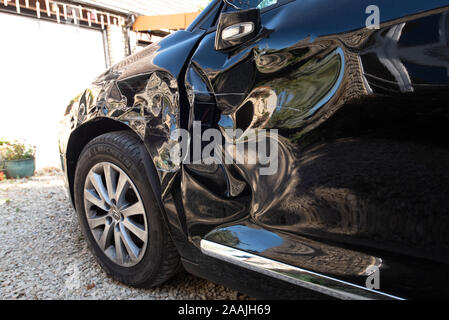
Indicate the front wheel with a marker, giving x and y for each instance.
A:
(118, 212)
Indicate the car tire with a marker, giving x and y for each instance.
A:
(117, 244)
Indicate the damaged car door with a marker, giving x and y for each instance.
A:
(342, 103)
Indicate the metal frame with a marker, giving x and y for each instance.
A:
(297, 276)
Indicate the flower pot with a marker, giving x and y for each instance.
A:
(20, 168)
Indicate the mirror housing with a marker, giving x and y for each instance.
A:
(236, 28)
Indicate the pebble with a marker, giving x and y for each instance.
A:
(43, 255)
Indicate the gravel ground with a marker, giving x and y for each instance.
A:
(43, 254)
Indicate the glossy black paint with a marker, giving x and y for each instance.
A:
(362, 116)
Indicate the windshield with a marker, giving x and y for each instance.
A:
(206, 16)
(250, 4)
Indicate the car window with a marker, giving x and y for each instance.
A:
(266, 3)
(207, 17)
(234, 5)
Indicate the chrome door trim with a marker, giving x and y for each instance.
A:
(297, 276)
(237, 31)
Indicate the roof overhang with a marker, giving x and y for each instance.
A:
(167, 21)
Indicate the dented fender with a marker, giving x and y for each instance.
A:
(144, 92)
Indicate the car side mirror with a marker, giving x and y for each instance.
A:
(237, 28)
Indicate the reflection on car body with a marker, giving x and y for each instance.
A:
(362, 119)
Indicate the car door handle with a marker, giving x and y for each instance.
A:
(237, 31)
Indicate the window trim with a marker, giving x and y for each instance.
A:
(216, 8)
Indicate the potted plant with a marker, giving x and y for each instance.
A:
(2, 174)
(18, 159)
(2, 166)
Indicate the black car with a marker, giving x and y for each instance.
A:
(351, 100)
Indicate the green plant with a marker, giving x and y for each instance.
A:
(11, 151)
(2, 165)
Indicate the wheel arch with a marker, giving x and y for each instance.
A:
(81, 137)
(87, 132)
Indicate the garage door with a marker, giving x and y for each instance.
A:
(43, 65)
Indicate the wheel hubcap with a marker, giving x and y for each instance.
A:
(116, 215)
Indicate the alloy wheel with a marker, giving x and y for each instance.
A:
(115, 214)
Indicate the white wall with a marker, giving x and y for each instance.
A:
(43, 65)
